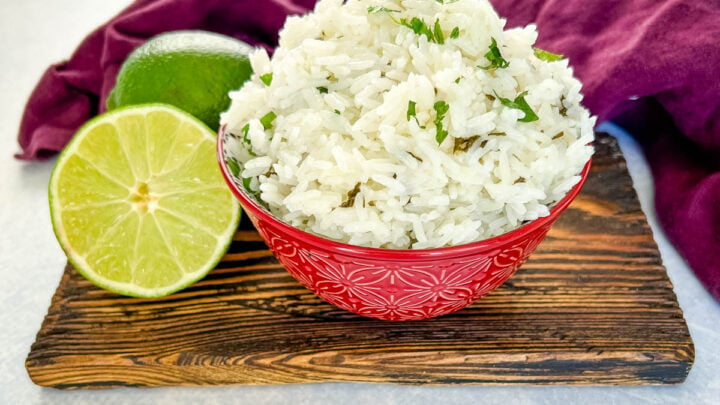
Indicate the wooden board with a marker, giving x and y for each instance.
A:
(593, 305)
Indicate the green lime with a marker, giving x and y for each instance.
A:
(192, 70)
(138, 202)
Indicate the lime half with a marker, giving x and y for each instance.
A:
(138, 202)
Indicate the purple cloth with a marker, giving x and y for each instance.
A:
(653, 66)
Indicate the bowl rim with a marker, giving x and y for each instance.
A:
(495, 242)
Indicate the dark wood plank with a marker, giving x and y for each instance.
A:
(593, 305)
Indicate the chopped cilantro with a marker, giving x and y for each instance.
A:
(520, 104)
(446, 1)
(246, 140)
(419, 27)
(495, 58)
(255, 194)
(414, 156)
(455, 33)
(245, 131)
(233, 165)
(546, 56)
(381, 9)
(411, 113)
(322, 90)
(267, 120)
(246, 185)
(434, 34)
(337, 112)
(410, 110)
(464, 144)
(441, 108)
(563, 109)
(439, 37)
(350, 199)
(267, 78)
(457, 80)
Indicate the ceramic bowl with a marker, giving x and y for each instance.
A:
(395, 284)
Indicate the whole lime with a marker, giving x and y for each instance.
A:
(192, 70)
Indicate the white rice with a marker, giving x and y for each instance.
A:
(347, 163)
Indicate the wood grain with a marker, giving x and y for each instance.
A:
(593, 305)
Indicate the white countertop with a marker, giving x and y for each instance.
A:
(36, 33)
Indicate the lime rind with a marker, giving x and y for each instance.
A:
(114, 278)
(190, 69)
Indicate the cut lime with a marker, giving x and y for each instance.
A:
(138, 202)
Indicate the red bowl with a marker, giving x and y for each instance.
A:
(389, 284)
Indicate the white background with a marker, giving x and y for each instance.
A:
(36, 33)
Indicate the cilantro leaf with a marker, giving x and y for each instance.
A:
(441, 108)
(267, 78)
(495, 58)
(546, 56)
(434, 34)
(519, 104)
(246, 182)
(410, 110)
(381, 9)
(245, 131)
(322, 90)
(246, 185)
(563, 109)
(419, 27)
(439, 37)
(246, 140)
(233, 165)
(267, 120)
(411, 113)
